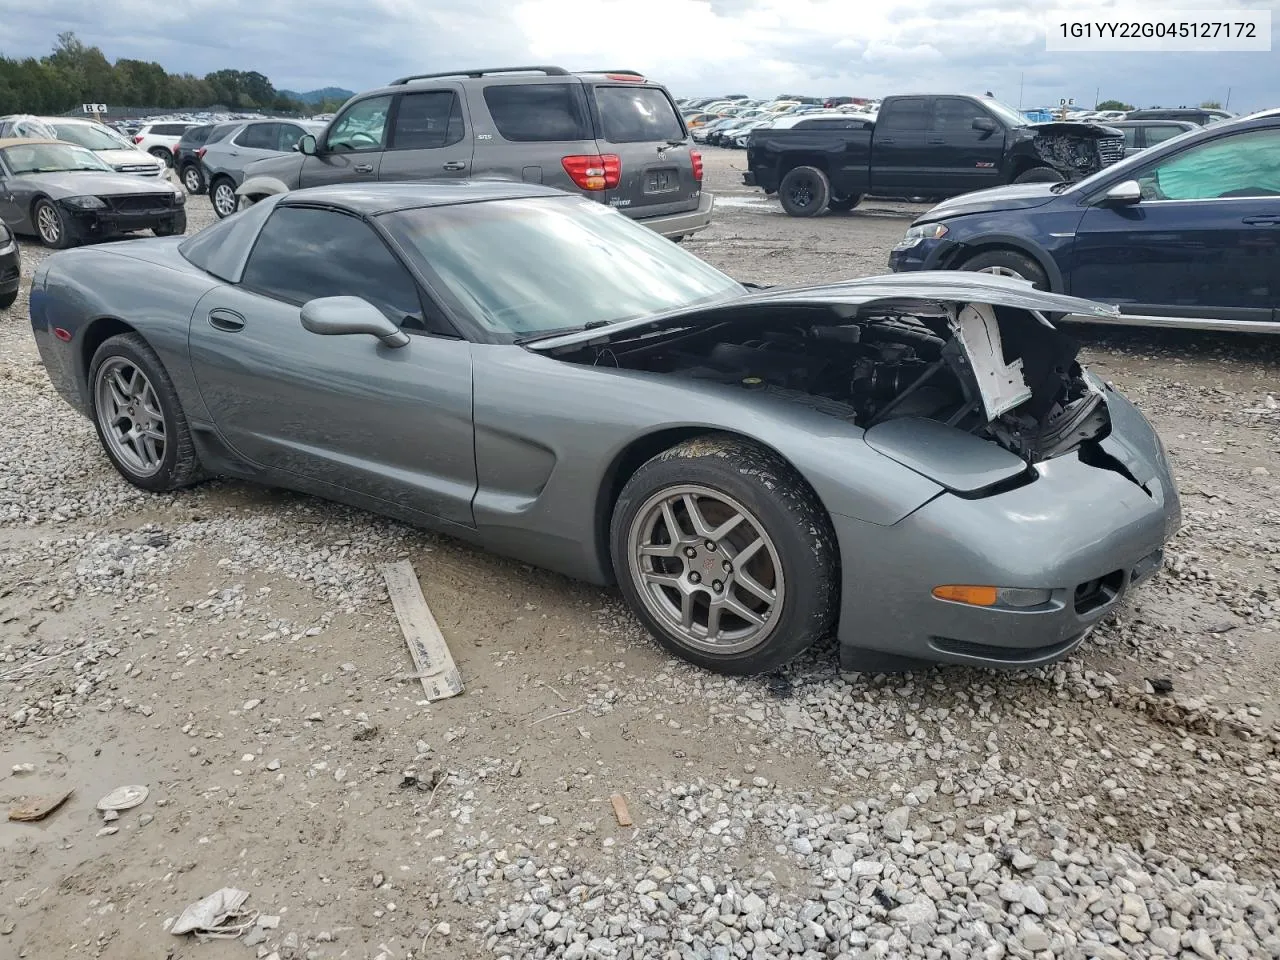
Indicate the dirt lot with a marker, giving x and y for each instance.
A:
(233, 649)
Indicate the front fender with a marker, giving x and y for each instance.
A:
(255, 187)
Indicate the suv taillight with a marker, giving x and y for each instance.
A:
(200, 153)
(696, 157)
(137, 138)
(593, 171)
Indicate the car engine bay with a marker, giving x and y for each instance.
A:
(886, 367)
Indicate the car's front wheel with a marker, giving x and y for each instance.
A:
(725, 555)
(51, 225)
(222, 193)
(139, 417)
(1008, 263)
(1039, 175)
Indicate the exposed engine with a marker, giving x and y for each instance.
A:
(875, 370)
(1078, 149)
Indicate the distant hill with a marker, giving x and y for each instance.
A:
(318, 96)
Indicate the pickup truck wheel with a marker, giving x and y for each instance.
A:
(1039, 175)
(804, 192)
(1008, 263)
(843, 204)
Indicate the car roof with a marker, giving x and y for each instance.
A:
(21, 141)
(371, 199)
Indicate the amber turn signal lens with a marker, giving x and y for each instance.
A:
(974, 596)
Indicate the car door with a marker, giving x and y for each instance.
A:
(960, 157)
(13, 202)
(429, 136)
(898, 147)
(528, 129)
(1204, 240)
(352, 146)
(343, 412)
(288, 135)
(254, 142)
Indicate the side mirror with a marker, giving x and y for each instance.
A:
(985, 124)
(306, 144)
(1128, 191)
(336, 316)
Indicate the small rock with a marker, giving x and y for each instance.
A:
(20, 768)
(251, 705)
(1032, 936)
(145, 819)
(109, 815)
(551, 920)
(273, 764)
(108, 831)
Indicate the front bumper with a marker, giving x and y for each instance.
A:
(1087, 532)
(10, 266)
(682, 224)
(928, 254)
(100, 224)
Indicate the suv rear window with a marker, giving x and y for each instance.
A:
(169, 129)
(637, 114)
(539, 111)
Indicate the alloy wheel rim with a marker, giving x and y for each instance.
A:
(192, 179)
(802, 193)
(1001, 272)
(225, 200)
(47, 222)
(705, 568)
(130, 417)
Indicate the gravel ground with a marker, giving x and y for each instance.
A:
(233, 649)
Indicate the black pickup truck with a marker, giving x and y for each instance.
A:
(920, 146)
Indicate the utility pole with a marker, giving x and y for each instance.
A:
(1097, 93)
(1021, 78)
(1227, 105)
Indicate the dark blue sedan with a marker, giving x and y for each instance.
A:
(1185, 234)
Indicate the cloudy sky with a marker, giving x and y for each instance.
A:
(757, 47)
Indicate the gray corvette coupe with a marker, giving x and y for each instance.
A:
(66, 195)
(917, 462)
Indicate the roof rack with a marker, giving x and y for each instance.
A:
(628, 73)
(488, 71)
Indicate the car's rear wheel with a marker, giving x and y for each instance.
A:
(1039, 175)
(138, 416)
(804, 192)
(725, 555)
(222, 194)
(51, 225)
(1008, 263)
(160, 153)
(193, 179)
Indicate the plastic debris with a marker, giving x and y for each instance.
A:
(123, 798)
(217, 915)
(37, 808)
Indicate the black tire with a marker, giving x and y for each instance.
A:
(804, 192)
(777, 502)
(53, 233)
(844, 204)
(1008, 263)
(223, 208)
(1039, 175)
(7, 299)
(160, 153)
(179, 464)
(193, 179)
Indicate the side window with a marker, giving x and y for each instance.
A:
(302, 254)
(258, 136)
(426, 120)
(1239, 165)
(954, 115)
(288, 136)
(1130, 137)
(905, 113)
(539, 111)
(1159, 133)
(362, 127)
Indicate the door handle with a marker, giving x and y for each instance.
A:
(363, 168)
(1271, 220)
(456, 165)
(233, 153)
(937, 140)
(886, 140)
(228, 321)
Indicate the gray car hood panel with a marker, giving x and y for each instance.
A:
(957, 460)
(78, 183)
(908, 292)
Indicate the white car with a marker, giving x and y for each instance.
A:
(160, 138)
(111, 147)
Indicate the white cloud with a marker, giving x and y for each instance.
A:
(695, 46)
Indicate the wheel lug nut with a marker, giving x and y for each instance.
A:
(695, 577)
(717, 586)
(711, 544)
(727, 566)
(690, 552)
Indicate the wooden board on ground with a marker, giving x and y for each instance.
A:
(431, 656)
(620, 810)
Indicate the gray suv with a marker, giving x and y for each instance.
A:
(224, 159)
(610, 135)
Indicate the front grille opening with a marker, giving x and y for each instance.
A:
(1098, 592)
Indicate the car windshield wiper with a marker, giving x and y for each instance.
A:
(561, 331)
(1059, 187)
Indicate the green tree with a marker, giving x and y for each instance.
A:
(1211, 105)
(1114, 105)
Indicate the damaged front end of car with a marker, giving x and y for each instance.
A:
(1077, 149)
(939, 354)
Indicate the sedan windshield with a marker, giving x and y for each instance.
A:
(49, 158)
(90, 136)
(532, 265)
